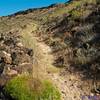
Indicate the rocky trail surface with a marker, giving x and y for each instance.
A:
(43, 65)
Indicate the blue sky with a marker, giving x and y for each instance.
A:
(11, 6)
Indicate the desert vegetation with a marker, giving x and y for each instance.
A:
(27, 88)
(20, 76)
(63, 37)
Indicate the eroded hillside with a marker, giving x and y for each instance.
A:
(63, 39)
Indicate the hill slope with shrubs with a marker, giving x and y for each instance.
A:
(70, 30)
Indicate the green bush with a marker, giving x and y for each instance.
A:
(27, 88)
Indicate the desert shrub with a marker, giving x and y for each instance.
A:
(27, 88)
(76, 14)
(98, 1)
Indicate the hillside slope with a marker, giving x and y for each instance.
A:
(65, 40)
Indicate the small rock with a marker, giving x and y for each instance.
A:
(7, 57)
(91, 94)
(30, 52)
(65, 81)
(11, 72)
(63, 92)
(19, 44)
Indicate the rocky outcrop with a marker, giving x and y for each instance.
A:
(14, 57)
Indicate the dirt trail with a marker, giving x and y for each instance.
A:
(42, 56)
(69, 85)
